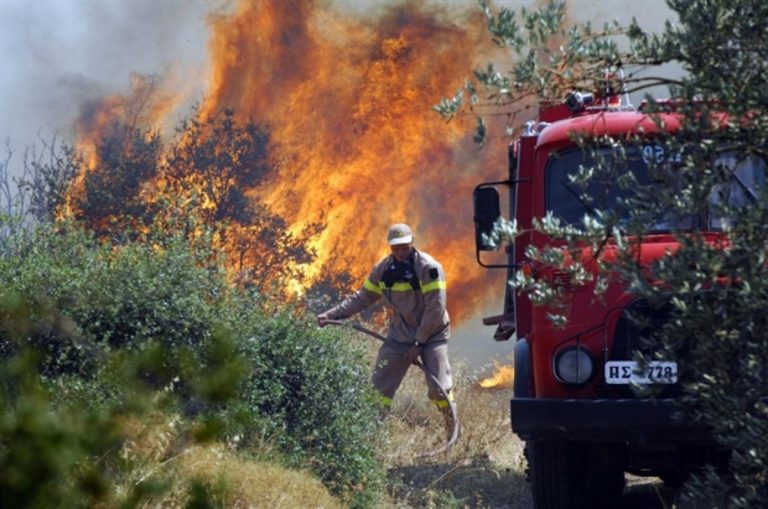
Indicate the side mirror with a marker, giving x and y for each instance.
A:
(487, 213)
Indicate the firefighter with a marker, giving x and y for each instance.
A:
(413, 285)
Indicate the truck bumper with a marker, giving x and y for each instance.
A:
(638, 421)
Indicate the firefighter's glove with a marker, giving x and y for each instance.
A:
(412, 355)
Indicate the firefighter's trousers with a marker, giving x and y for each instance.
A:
(391, 367)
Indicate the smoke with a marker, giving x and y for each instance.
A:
(56, 56)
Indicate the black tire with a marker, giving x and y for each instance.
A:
(553, 473)
(568, 475)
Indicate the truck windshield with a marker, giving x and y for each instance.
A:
(571, 202)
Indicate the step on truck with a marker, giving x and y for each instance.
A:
(573, 401)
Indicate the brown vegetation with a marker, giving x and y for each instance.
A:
(232, 480)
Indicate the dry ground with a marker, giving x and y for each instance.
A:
(486, 468)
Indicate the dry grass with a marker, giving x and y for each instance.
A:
(253, 484)
(486, 467)
(484, 470)
(158, 451)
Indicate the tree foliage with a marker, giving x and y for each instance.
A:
(92, 337)
(224, 159)
(715, 292)
(111, 200)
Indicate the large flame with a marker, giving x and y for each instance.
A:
(348, 102)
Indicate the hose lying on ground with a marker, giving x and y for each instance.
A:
(452, 404)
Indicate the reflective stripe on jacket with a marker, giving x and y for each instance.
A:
(416, 315)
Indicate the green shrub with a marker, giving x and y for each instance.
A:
(108, 323)
(45, 452)
(316, 388)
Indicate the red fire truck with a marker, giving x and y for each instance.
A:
(573, 403)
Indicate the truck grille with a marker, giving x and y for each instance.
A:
(634, 327)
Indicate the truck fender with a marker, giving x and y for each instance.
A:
(522, 369)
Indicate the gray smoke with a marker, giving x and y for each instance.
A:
(56, 55)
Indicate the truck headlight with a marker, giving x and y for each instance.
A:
(573, 365)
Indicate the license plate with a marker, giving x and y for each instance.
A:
(653, 372)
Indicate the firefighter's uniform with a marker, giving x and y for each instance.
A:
(418, 316)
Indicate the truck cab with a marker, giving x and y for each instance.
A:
(573, 401)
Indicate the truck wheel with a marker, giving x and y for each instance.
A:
(555, 475)
(562, 477)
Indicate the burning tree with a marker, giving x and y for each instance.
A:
(124, 276)
(712, 177)
(132, 184)
(110, 202)
(224, 164)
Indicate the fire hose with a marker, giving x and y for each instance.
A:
(417, 362)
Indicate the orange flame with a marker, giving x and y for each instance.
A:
(348, 102)
(503, 377)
